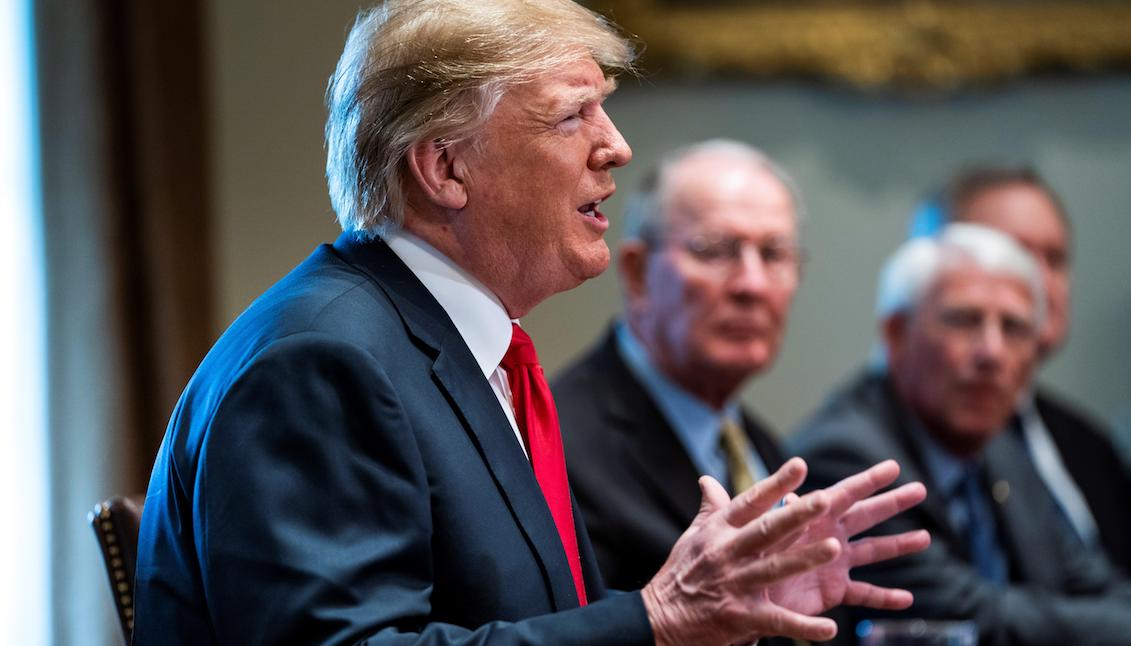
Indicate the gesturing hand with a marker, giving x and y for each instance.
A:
(746, 569)
(852, 511)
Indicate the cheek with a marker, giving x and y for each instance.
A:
(1020, 365)
(779, 303)
(954, 359)
(937, 369)
(685, 316)
(1058, 293)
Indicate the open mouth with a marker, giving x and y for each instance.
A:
(590, 210)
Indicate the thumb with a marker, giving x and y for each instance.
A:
(714, 498)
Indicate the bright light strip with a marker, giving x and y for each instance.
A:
(24, 568)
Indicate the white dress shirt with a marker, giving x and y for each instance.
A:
(477, 313)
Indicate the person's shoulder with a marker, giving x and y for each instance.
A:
(1086, 444)
(600, 405)
(847, 433)
(323, 309)
(580, 379)
(323, 295)
(1057, 410)
(850, 413)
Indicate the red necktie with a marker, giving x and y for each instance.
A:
(538, 422)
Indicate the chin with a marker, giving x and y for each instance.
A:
(741, 368)
(742, 356)
(593, 265)
(977, 431)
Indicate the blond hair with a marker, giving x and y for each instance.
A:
(434, 70)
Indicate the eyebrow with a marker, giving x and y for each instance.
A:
(583, 93)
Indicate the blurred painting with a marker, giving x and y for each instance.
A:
(927, 44)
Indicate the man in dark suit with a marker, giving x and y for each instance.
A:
(960, 317)
(1073, 454)
(708, 266)
(370, 454)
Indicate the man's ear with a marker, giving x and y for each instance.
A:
(438, 172)
(894, 330)
(632, 264)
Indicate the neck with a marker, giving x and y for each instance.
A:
(439, 233)
(705, 384)
(960, 446)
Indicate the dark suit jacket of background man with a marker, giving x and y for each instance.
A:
(1057, 594)
(338, 470)
(634, 481)
(1098, 470)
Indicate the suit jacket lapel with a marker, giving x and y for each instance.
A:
(471, 396)
(896, 421)
(590, 570)
(651, 445)
(764, 443)
(1015, 490)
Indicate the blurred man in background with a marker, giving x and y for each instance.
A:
(1074, 455)
(960, 319)
(709, 264)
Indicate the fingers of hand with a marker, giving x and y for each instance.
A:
(713, 496)
(776, 528)
(786, 623)
(857, 487)
(867, 513)
(873, 596)
(769, 569)
(766, 493)
(882, 548)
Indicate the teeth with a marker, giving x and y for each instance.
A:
(590, 210)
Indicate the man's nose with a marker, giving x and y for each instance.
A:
(749, 275)
(612, 151)
(989, 345)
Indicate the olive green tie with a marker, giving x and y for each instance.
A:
(736, 447)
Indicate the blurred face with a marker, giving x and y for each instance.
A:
(962, 358)
(711, 298)
(1030, 217)
(534, 179)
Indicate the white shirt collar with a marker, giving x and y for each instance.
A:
(477, 313)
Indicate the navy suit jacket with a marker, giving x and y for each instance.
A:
(1057, 593)
(339, 471)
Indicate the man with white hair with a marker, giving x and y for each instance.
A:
(709, 264)
(370, 453)
(1073, 453)
(959, 318)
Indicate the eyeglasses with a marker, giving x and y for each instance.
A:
(781, 260)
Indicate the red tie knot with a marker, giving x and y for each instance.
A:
(521, 351)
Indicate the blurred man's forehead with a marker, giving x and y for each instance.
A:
(1013, 207)
(969, 285)
(728, 186)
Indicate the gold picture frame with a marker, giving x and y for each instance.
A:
(899, 44)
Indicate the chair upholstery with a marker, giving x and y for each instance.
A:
(116, 522)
